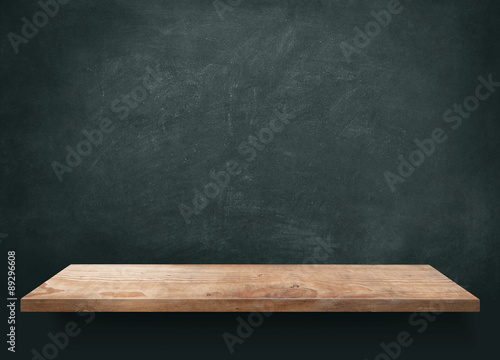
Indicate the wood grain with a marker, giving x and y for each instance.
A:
(266, 288)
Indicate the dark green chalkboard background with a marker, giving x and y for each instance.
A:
(317, 189)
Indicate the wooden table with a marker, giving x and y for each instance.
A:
(265, 288)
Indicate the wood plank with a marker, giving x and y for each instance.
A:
(265, 288)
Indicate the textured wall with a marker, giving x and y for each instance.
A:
(259, 132)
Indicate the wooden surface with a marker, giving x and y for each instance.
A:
(266, 288)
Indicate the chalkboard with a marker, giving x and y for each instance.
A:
(336, 132)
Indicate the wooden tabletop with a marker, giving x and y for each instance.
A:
(266, 288)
